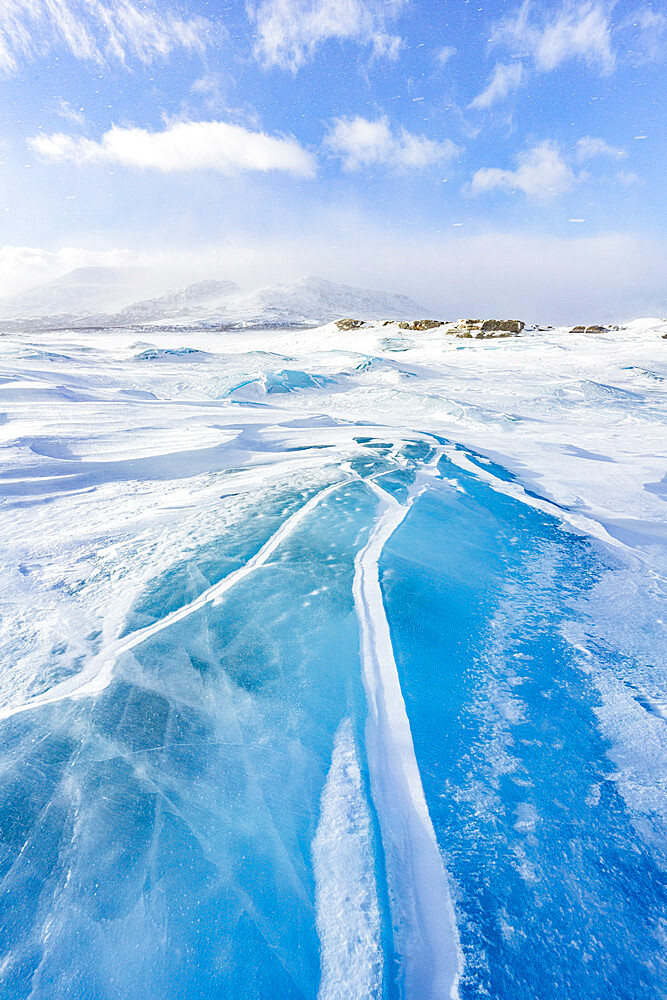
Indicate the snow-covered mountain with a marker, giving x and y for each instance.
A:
(103, 297)
(307, 302)
(186, 305)
(312, 300)
(83, 292)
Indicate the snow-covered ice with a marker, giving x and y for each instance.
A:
(332, 662)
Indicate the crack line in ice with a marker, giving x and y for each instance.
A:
(424, 924)
(97, 676)
(584, 523)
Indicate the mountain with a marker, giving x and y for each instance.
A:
(186, 305)
(312, 300)
(85, 291)
(307, 302)
(101, 296)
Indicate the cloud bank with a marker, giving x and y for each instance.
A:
(211, 145)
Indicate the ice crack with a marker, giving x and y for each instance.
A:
(423, 920)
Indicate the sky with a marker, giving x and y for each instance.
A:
(473, 155)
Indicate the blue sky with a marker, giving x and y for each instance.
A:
(336, 132)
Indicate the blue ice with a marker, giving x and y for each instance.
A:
(209, 824)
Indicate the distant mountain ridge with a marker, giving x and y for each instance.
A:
(180, 304)
(82, 292)
(103, 297)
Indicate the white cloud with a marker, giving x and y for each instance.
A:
(97, 30)
(289, 31)
(363, 143)
(642, 34)
(541, 173)
(651, 29)
(209, 85)
(506, 77)
(445, 54)
(65, 110)
(590, 148)
(575, 30)
(209, 145)
(628, 177)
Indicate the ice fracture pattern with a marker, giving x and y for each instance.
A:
(343, 711)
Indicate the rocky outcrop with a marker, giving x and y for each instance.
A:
(421, 324)
(592, 329)
(503, 326)
(484, 329)
(476, 329)
(349, 324)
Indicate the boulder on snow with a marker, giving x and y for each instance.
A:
(421, 324)
(483, 329)
(503, 326)
(349, 324)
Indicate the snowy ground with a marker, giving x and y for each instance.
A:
(216, 523)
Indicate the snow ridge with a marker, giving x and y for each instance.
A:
(424, 924)
(348, 923)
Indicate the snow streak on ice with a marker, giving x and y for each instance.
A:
(425, 934)
(348, 913)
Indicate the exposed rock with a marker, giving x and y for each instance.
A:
(488, 328)
(421, 324)
(466, 328)
(476, 329)
(349, 324)
(503, 326)
(596, 329)
(578, 329)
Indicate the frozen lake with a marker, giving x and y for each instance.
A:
(333, 666)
